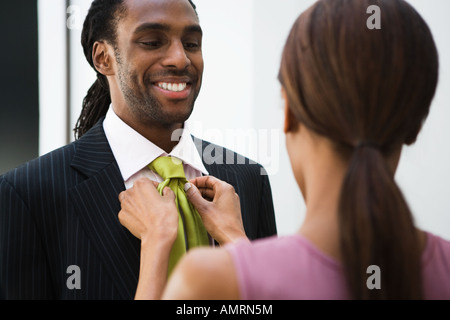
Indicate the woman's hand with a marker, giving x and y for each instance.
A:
(222, 215)
(148, 215)
(153, 218)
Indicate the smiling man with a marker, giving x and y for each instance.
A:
(59, 213)
(155, 68)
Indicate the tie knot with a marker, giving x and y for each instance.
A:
(168, 168)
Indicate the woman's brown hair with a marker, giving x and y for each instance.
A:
(369, 91)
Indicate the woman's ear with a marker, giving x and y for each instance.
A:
(290, 122)
(101, 56)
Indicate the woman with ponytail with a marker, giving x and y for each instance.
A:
(353, 98)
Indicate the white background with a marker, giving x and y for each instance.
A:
(240, 104)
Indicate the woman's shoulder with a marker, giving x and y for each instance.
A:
(294, 246)
(292, 268)
(436, 247)
(203, 274)
(211, 273)
(436, 266)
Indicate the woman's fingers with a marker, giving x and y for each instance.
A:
(196, 197)
(209, 186)
(221, 216)
(146, 213)
(168, 193)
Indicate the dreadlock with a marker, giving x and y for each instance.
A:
(100, 25)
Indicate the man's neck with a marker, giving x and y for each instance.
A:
(165, 137)
(162, 135)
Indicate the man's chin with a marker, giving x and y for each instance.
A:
(169, 119)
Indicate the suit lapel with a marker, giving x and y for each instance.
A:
(225, 165)
(214, 159)
(97, 204)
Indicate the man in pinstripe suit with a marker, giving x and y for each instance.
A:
(60, 237)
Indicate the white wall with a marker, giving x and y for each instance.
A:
(424, 171)
(52, 74)
(82, 75)
(240, 104)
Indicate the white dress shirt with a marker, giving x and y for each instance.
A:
(134, 153)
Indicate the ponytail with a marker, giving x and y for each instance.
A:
(377, 228)
(95, 106)
(379, 87)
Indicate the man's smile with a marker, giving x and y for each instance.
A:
(175, 87)
(174, 90)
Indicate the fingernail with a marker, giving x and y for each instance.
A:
(187, 186)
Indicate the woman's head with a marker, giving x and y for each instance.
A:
(368, 91)
(353, 84)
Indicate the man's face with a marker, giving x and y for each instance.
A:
(159, 60)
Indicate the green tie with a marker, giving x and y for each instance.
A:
(191, 231)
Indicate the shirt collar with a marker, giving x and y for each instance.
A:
(132, 157)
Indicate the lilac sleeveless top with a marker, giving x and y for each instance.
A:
(292, 268)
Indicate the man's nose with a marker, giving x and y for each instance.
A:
(176, 56)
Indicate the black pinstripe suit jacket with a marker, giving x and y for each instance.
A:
(61, 209)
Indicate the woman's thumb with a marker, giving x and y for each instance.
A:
(194, 196)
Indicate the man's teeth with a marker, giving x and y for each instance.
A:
(175, 87)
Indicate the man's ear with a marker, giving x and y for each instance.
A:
(290, 122)
(103, 58)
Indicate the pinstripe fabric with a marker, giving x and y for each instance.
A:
(62, 209)
(250, 184)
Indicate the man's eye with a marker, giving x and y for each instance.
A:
(191, 45)
(151, 43)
